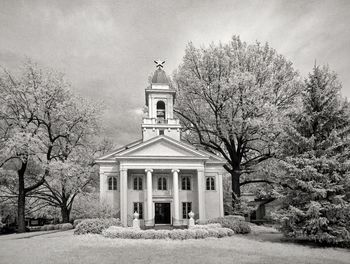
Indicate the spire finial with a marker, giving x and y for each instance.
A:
(159, 63)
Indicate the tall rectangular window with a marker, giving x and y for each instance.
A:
(186, 183)
(138, 183)
(162, 184)
(186, 208)
(112, 183)
(138, 207)
(210, 183)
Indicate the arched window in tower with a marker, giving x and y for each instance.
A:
(160, 112)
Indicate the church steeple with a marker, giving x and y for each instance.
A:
(160, 98)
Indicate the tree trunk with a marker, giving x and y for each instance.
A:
(65, 213)
(235, 179)
(21, 203)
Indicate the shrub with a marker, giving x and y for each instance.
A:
(112, 232)
(77, 221)
(235, 217)
(66, 226)
(213, 232)
(89, 206)
(50, 227)
(95, 226)
(43, 228)
(176, 234)
(148, 234)
(201, 233)
(57, 226)
(207, 226)
(238, 226)
(161, 234)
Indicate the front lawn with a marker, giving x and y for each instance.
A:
(64, 247)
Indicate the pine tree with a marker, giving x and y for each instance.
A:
(316, 182)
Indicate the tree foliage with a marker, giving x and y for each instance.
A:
(72, 175)
(40, 121)
(232, 99)
(316, 164)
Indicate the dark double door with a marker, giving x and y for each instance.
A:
(162, 213)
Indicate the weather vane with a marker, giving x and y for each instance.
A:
(159, 63)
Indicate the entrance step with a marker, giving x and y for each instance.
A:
(165, 227)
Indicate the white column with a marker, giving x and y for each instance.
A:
(123, 197)
(176, 196)
(221, 194)
(103, 186)
(149, 198)
(201, 197)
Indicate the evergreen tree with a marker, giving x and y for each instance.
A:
(316, 178)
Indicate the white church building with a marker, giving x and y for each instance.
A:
(160, 176)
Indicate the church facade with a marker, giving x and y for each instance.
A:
(160, 176)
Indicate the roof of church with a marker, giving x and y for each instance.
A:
(193, 151)
(159, 76)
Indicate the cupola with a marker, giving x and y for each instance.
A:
(160, 100)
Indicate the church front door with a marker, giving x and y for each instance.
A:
(162, 213)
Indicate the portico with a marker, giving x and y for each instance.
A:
(162, 186)
(162, 183)
(160, 176)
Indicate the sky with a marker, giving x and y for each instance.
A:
(107, 48)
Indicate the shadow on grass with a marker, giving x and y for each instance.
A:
(280, 238)
(35, 234)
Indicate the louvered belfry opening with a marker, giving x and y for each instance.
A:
(160, 111)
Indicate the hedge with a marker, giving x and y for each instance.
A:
(66, 226)
(237, 225)
(77, 222)
(95, 226)
(175, 234)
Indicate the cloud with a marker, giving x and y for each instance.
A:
(107, 48)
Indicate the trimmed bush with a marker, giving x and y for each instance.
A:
(148, 234)
(95, 226)
(235, 217)
(175, 234)
(66, 226)
(161, 234)
(201, 233)
(213, 232)
(77, 221)
(208, 226)
(238, 226)
(50, 227)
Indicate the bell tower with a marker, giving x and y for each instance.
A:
(160, 98)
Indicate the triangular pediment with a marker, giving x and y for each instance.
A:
(161, 147)
(164, 147)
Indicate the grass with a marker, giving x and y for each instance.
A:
(64, 247)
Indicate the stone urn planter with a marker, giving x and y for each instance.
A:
(191, 220)
(136, 221)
